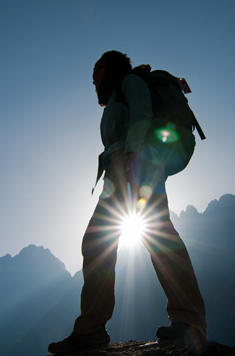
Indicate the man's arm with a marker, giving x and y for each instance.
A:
(138, 97)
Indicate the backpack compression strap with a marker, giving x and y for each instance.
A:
(198, 127)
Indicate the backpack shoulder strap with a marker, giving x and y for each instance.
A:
(198, 127)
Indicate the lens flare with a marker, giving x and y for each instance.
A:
(132, 229)
(145, 192)
(141, 203)
(108, 189)
(167, 134)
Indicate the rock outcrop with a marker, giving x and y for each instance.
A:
(133, 348)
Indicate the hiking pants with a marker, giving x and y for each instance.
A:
(168, 253)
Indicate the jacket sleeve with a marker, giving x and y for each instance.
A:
(138, 97)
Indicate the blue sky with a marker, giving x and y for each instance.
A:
(49, 137)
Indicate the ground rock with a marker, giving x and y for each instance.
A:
(173, 348)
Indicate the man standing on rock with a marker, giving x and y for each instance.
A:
(136, 169)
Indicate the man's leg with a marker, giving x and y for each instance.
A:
(99, 249)
(169, 255)
(175, 272)
(171, 261)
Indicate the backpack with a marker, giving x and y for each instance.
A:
(173, 121)
(171, 111)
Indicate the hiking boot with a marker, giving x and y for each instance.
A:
(194, 338)
(172, 331)
(76, 342)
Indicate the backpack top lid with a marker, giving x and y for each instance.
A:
(144, 71)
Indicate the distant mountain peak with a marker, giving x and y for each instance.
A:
(228, 199)
(34, 260)
(190, 211)
(226, 202)
(33, 249)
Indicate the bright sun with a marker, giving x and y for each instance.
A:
(132, 229)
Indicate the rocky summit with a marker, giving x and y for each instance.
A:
(158, 348)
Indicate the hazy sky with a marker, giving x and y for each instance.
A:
(49, 139)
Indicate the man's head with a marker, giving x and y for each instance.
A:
(111, 64)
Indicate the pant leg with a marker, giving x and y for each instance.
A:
(169, 255)
(173, 266)
(99, 249)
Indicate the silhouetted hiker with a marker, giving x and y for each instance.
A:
(135, 169)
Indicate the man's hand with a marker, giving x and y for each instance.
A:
(129, 158)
